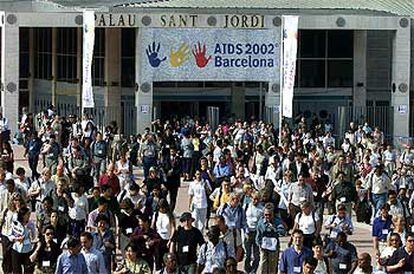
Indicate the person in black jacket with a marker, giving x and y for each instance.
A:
(33, 147)
(172, 167)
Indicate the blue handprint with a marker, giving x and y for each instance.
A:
(152, 53)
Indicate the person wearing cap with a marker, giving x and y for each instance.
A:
(339, 222)
(184, 243)
(381, 228)
(342, 255)
(378, 183)
(213, 253)
(269, 229)
(51, 152)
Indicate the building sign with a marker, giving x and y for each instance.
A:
(209, 54)
(182, 20)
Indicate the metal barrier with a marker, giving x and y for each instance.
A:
(381, 116)
(125, 115)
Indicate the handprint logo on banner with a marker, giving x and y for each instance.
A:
(177, 58)
(153, 55)
(200, 55)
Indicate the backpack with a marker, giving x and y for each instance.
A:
(313, 218)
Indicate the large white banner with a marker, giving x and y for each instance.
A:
(290, 47)
(88, 44)
(209, 54)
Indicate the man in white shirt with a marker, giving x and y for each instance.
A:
(93, 257)
(378, 183)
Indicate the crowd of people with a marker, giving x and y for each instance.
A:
(99, 202)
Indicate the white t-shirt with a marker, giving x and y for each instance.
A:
(163, 226)
(306, 222)
(198, 191)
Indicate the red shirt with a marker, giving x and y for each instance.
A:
(113, 183)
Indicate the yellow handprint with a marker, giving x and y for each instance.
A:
(177, 58)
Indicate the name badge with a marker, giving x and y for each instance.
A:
(61, 208)
(46, 263)
(186, 249)
(342, 266)
(51, 155)
(315, 193)
(231, 224)
(129, 230)
(297, 269)
(269, 243)
(55, 240)
(343, 199)
(385, 232)
(100, 151)
(333, 235)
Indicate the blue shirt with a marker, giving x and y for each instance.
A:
(291, 261)
(381, 228)
(71, 264)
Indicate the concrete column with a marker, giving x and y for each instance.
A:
(54, 65)
(237, 101)
(10, 72)
(401, 80)
(112, 90)
(79, 66)
(31, 71)
(144, 94)
(360, 68)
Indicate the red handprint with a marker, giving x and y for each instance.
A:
(200, 55)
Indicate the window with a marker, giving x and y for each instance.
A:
(128, 57)
(66, 54)
(24, 52)
(98, 63)
(42, 53)
(325, 59)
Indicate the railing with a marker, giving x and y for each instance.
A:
(381, 116)
(125, 115)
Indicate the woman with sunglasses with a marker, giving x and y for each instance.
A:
(46, 253)
(394, 242)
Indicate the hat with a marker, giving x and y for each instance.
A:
(186, 216)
